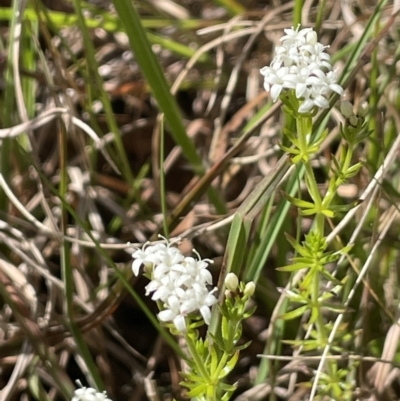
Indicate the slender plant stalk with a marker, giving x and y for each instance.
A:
(298, 8)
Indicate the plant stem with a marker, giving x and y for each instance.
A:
(304, 130)
(196, 357)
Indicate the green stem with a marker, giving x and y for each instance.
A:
(339, 180)
(320, 14)
(304, 130)
(196, 357)
(298, 7)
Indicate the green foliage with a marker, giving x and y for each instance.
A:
(312, 255)
(335, 295)
(212, 359)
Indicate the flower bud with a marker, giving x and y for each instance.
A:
(363, 109)
(346, 108)
(353, 120)
(311, 38)
(231, 282)
(249, 289)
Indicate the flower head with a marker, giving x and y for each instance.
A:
(155, 255)
(180, 283)
(301, 64)
(89, 394)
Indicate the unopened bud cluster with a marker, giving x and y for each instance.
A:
(180, 283)
(302, 65)
(233, 287)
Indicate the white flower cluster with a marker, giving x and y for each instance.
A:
(89, 394)
(301, 63)
(180, 283)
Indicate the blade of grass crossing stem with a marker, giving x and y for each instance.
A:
(153, 73)
(247, 212)
(163, 193)
(342, 53)
(240, 230)
(269, 232)
(93, 74)
(258, 235)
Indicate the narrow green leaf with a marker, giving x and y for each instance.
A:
(229, 366)
(294, 313)
(154, 75)
(214, 361)
(292, 267)
(200, 389)
(300, 203)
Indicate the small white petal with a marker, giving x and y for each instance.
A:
(306, 106)
(275, 92)
(180, 323)
(300, 90)
(210, 299)
(152, 286)
(166, 315)
(136, 266)
(173, 302)
(206, 313)
(321, 102)
(336, 88)
(161, 294)
(311, 37)
(205, 276)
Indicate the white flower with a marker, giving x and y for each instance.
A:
(301, 64)
(295, 37)
(89, 394)
(154, 255)
(179, 283)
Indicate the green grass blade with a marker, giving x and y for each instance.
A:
(240, 230)
(154, 75)
(163, 192)
(92, 74)
(232, 6)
